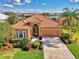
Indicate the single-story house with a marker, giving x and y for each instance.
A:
(37, 25)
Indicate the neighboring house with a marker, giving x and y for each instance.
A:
(3, 17)
(37, 25)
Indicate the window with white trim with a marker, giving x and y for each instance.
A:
(20, 34)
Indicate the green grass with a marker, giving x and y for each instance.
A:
(7, 54)
(19, 54)
(29, 55)
(74, 48)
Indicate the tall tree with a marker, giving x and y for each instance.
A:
(6, 32)
(71, 19)
(1, 36)
(12, 18)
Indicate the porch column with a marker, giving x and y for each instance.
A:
(29, 35)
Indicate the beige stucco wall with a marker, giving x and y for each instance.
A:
(42, 32)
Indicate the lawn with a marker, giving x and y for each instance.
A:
(74, 48)
(19, 54)
(29, 55)
(7, 54)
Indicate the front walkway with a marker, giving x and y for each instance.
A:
(55, 49)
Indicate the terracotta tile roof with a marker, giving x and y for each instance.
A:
(43, 20)
(60, 21)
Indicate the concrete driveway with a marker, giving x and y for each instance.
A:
(54, 48)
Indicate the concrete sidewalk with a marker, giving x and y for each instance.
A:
(54, 48)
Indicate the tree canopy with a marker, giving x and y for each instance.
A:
(6, 32)
(70, 20)
(12, 18)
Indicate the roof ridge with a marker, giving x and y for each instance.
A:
(47, 18)
(41, 18)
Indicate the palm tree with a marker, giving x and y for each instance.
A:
(71, 19)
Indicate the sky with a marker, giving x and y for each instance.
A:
(25, 6)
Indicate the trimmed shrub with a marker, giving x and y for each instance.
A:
(16, 43)
(65, 38)
(35, 44)
(25, 48)
(25, 44)
(20, 43)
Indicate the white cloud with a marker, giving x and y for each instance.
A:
(7, 5)
(43, 4)
(18, 1)
(14, 1)
(74, 0)
(28, 1)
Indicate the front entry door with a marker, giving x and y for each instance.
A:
(35, 30)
